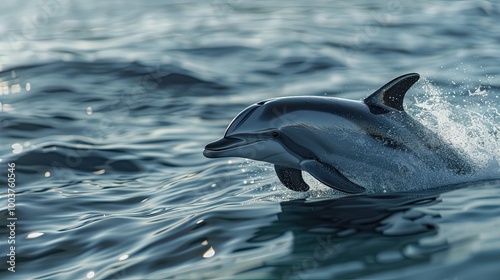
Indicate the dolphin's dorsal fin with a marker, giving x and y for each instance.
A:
(391, 95)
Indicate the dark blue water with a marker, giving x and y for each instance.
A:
(106, 107)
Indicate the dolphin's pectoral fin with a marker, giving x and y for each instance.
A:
(291, 178)
(330, 176)
(391, 95)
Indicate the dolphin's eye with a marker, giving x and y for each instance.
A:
(275, 134)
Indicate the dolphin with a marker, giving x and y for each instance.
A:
(342, 143)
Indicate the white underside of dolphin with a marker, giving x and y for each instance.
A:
(340, 142)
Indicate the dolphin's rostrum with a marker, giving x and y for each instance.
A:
(329, 137)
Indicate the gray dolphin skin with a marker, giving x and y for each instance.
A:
(340, 142)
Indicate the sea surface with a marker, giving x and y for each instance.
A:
(105, 107)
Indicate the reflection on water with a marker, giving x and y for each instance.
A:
(356, 236)
(353, 236)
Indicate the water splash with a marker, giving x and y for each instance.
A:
(467, 120)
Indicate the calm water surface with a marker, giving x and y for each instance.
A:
(106, 107)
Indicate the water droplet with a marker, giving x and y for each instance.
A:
(34, 235)
(123, 257)
(213, 185)
(16, 148)
(89, 110)
(90, 275)
(28, 86)
(209, 253)
(245, 182)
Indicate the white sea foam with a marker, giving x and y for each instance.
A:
(469, 121)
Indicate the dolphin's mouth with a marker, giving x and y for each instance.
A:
(214, 149)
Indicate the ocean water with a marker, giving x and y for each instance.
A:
(106, 107)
